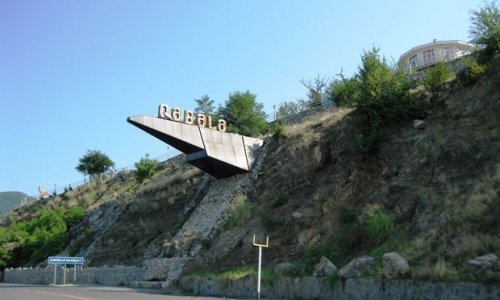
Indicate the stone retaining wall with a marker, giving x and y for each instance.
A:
(284, 288)
(315, 288)
(112, 276)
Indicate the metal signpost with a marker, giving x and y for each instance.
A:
(62, 260)
(266, 245)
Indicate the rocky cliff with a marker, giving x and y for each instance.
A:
(431, 191)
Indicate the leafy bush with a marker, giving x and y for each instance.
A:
(145, 168)
(344, 92)
(436, 75)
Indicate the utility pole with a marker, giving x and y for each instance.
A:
(260, 246)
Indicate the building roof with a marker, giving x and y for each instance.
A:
(450, 42)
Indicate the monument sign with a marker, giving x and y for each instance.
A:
(207, 146)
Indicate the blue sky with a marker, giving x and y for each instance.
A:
(71, 72)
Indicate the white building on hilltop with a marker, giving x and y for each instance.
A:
(427, 55)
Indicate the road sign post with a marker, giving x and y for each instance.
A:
(62, 260)
(64, 274)
(260, 246)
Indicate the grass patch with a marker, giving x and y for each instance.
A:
(379, 227)
(267, 274)
(439, 271)
(241, 213)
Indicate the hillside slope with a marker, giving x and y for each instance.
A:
(435, 192)
(11, 200)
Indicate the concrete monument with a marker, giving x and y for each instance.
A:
(208, 147)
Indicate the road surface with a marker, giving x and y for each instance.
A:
(10, 291)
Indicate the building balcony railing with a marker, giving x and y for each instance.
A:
(419, 65)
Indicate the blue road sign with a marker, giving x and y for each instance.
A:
(62, 260)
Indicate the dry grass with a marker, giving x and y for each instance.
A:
(324, 119)
(161, 181)
(438, 271)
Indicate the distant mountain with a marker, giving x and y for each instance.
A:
(11, 200)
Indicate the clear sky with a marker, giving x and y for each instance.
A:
(71, 72)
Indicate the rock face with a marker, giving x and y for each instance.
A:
(324, 267)
(357, 266)
(419, 124)
(394, 264)
(286, 269)
(482, 263)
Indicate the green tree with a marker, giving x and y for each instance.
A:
(145, 168)
(94, 163)
(205, 105)
(485, 30)
(243, 114)
(380, 94)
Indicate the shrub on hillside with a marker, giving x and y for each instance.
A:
(345, 91)
(145, 168)
(380, 93)
(41, 236)
(436, 75)
(473, 69)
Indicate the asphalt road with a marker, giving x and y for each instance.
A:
(10, 291)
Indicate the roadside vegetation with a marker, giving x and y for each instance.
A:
(27, 243)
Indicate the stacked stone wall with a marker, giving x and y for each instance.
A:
(112, 276)
(317, 288)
